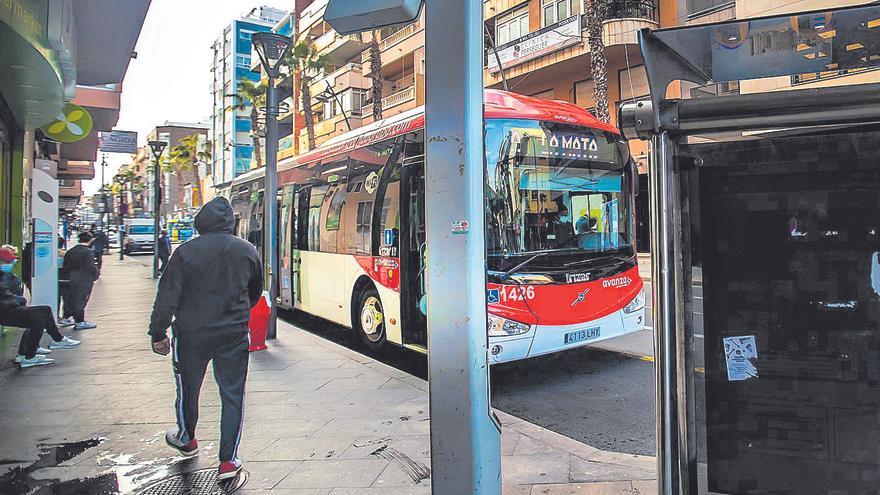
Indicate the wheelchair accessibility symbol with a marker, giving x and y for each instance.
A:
(492, 296)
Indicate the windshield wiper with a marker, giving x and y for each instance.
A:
(504, 276)
(613, 257)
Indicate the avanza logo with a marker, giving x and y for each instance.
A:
(617, 282)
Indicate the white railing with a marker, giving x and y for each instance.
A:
(402, 96)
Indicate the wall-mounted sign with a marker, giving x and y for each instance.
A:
(71, 125)
(554, 37)
(117, 142)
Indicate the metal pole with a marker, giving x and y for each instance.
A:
(666, 274)
(270, 243)
(121, 221)
(157, 201)
(103, 192)
(465, 435)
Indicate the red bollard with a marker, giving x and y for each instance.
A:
(259, 323)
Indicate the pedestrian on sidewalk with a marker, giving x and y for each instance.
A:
(99, 245)
(209, 287)
(164, 250)
(15, 312)
(80, 272)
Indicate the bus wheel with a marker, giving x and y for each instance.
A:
(371, 320)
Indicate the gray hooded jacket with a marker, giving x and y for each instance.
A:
(211, 282)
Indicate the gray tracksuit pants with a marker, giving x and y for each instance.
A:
(229, 354)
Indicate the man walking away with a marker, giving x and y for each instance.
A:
(80, 273)
(164, 250)
(34, 319)
(99, 245)
(209, 287)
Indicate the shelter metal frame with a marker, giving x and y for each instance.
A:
(700, 54)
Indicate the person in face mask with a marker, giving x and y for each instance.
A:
(15, 312)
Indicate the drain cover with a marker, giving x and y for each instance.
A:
(202, 482)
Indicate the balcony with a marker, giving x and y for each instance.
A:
(347, 76)
(404, 41)
(626, 18)
(312, 14)
(339, 48)
(286, 147)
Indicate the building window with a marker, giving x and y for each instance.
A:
(245, 35)
(555, 11)
(512, 26)
(695, 7)
(243, 61)
(583, 94)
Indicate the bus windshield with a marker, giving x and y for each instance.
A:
(557, 189)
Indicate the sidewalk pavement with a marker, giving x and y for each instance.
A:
(320, 419)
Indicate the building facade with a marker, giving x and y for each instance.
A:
(53, 54)
(230, 127)
(177, 181)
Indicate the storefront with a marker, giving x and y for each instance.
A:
(32, 91)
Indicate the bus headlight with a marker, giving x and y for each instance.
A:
(637, 304)
(502, 327)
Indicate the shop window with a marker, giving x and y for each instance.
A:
(512, 26)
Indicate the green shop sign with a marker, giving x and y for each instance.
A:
(73, 124)
(28, 18)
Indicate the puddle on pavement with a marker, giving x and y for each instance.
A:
(120, 475)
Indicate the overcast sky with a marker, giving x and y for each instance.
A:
(171, 78)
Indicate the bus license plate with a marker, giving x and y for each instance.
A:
(582, 335)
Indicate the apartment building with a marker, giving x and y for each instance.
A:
(230, 128)
(176, 188)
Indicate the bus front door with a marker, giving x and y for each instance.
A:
(412, 255)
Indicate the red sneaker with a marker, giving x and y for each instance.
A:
(186, 449)
(228, 469)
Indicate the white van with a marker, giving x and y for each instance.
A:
(138, 235)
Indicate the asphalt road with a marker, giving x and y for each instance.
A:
(603, 397)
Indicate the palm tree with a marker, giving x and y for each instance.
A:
(376, 75)
(175, 164)
(253, 95)
(305, 61)
(191, 151)
(597, 13)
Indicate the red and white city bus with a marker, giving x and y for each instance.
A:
(561, 260)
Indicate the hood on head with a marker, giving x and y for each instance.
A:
(215, 216)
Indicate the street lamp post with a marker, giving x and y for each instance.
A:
(119, 219)
(271, 48)
(157, 147)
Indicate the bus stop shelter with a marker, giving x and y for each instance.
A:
(775, 195)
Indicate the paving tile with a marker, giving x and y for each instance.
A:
(412, 490)
(284, 429)
(522, 470)
(290, 449)
(404, 471)
(516, 489)
(645, 488)
(334, 473)
(599, 488)
(265, 475)
(583, 471)
(415, 446)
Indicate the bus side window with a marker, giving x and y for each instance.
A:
(303, 198)
(314, 224)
